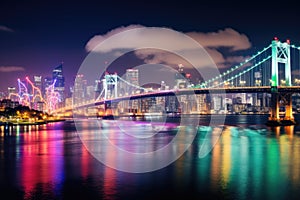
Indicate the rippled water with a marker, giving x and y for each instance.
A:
(54, 161)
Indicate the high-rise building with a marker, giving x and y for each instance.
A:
(90, 93)
(12, 94)
(132, 76)
(37, 93)
(79, 87)
(38, 82)
(2, 95)
(98, 88)
(59, 83)
(47, 82)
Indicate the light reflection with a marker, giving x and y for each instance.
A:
(241, 161)
(240, 164)
(289, 131)
(109, 185)
(226, 157)
(84, 163)
(41, 162)
(215, 166)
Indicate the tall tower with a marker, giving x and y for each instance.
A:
(59, 86)
(47, 82)
(12, 94)
(132, 76)
(37, 95)
(38, 82)
(78, 95)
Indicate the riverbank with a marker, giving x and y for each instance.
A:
(24, 123)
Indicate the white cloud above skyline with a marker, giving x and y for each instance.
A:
(6, 29)
(11, 68)
(211, 42)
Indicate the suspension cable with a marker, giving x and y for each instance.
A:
(237, 67)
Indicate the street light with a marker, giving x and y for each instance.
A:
(283, 82)
(257, 82)
(226, 84)
(242, 83)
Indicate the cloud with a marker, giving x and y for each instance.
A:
(97, 39)
(6, 29)
(223, 38)
(212, 42)
(11, 68)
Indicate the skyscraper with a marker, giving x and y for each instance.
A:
(132, 76)
(37, 95)
(59, 85)
(12, 94)
(38, 82)
(47, 82)
(79, 87)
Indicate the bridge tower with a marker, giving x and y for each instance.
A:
(110, 87)
(110, 84)
(280, 54)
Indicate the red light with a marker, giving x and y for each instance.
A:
(188, 75)
(288, 41)
(276, 38)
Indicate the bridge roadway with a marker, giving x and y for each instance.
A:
(189, 91)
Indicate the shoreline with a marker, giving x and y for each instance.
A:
(10, 123)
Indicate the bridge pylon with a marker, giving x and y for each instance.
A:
(280, 54)
(110, 85)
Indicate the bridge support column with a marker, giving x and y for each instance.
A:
(274, 113)
(274, 119)
(108, 113)
(289, 108)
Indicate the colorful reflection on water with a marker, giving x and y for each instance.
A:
(247, 161)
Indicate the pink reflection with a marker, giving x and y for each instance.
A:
(85, 162)
(109, 185)
(42, 162)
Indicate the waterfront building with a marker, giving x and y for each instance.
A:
(12, 94)
(59, 85)
(79, 88)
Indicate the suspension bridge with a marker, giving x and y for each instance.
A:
(275, 70)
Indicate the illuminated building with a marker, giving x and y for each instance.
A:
(172, 104)
(38, 82)
(98, 88)
(90, 93)
(59, 86)
(12, 94)
(47, 83)
(7, 103)
(37, 93)
(79, 87)
(2, 95)
(132, 76)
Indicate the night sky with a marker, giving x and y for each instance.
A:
(36, 36)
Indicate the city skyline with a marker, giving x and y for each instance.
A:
(37, 37)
